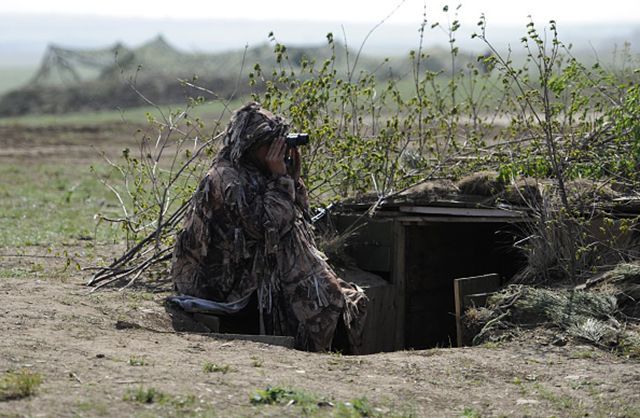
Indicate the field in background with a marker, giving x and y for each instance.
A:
(49, 194)
(14, 77)
(208, 112)
(51, 204)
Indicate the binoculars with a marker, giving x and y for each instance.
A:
(297, 138)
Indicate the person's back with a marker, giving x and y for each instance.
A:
(246, 232)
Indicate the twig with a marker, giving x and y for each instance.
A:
(116, 266)
(75, 376)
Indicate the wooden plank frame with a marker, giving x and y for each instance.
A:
(456, 211)
(466, 286)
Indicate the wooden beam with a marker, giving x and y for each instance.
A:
(422, 220)
(399, 281)
(466, 286)
(452, 211)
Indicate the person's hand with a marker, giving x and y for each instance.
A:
(275, 157)
(296, 163)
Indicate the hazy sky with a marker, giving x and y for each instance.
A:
(409, 11)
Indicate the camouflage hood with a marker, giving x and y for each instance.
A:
(250, 125)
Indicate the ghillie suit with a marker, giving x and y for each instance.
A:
(246, 231)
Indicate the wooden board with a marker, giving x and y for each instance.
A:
(210, 321)
(398, 280)
(456, 211)
(463, 288)
(380, 321)
(425, 220)
(372, 257)
(372, 244)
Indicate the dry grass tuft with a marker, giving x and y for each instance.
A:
(431, 190)
(584, 191)
(333, 245)
(19, 384)
(523, 192)
(482, 183)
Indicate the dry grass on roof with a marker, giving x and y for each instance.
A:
(482, 183)
(432, 189)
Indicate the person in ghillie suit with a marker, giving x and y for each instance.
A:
(248, 231)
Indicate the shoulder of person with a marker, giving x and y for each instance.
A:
(222, 173)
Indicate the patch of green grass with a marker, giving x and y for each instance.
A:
(583, 354)
(310, 403)
(520, 384)
(355, 408)
(145, 395)
(470, 413)
(209, 367)
(19, 384)
(278, 395)
(94, 407)
(589, 386)
(256, 362)
(137, 361)
(153, 396)
(51, 204)
(181, 402)
(558, 400)
(630, 345)
(27, 268)
(623, 411)
(15, 272)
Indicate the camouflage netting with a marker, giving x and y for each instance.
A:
(605, 312)
(623, 282)
(94, 79)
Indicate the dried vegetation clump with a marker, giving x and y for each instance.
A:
(623, 281)
(18, 384)
(431, 190)
(605, 312)
(482, 183)
(524, 191)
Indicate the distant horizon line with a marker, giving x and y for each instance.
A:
(290, 20)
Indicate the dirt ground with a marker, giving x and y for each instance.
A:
(97, 352)
(90, 362)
